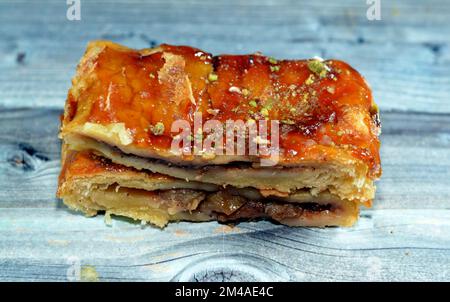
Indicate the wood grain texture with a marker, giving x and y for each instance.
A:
(43, 244)
(405, 57)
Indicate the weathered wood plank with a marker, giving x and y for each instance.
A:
(415, 159)
(386, 245)
(29, 157)
(404, 56)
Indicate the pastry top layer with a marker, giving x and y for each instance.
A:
(325, 108)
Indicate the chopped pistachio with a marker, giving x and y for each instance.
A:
(152, 75)
(264, 111)
(305, 97)
(272, 60)
(269, 103)
(245, 92)
(213, 111)
(318, 67)
(250, 121)
(212, 77)
(331, 89)
(157, 129)
(274, 68)
(340, 133)
(209, 155)
(253, 103)
(310, 79)
(288, 122)
(292, 109)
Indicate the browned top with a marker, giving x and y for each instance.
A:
(325, 108)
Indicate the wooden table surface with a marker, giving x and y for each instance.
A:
(405, 57)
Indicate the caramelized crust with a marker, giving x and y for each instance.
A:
(327, 114)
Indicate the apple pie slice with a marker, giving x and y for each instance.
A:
(119, 132)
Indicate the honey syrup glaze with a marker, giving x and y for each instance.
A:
(324, 106)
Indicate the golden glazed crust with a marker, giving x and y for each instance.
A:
(119, 93)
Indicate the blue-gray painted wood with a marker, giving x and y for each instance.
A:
(43, 244)
(405, 57)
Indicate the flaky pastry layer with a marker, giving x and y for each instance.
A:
(91, 184)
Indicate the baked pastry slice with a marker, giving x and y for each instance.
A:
(124, 103)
